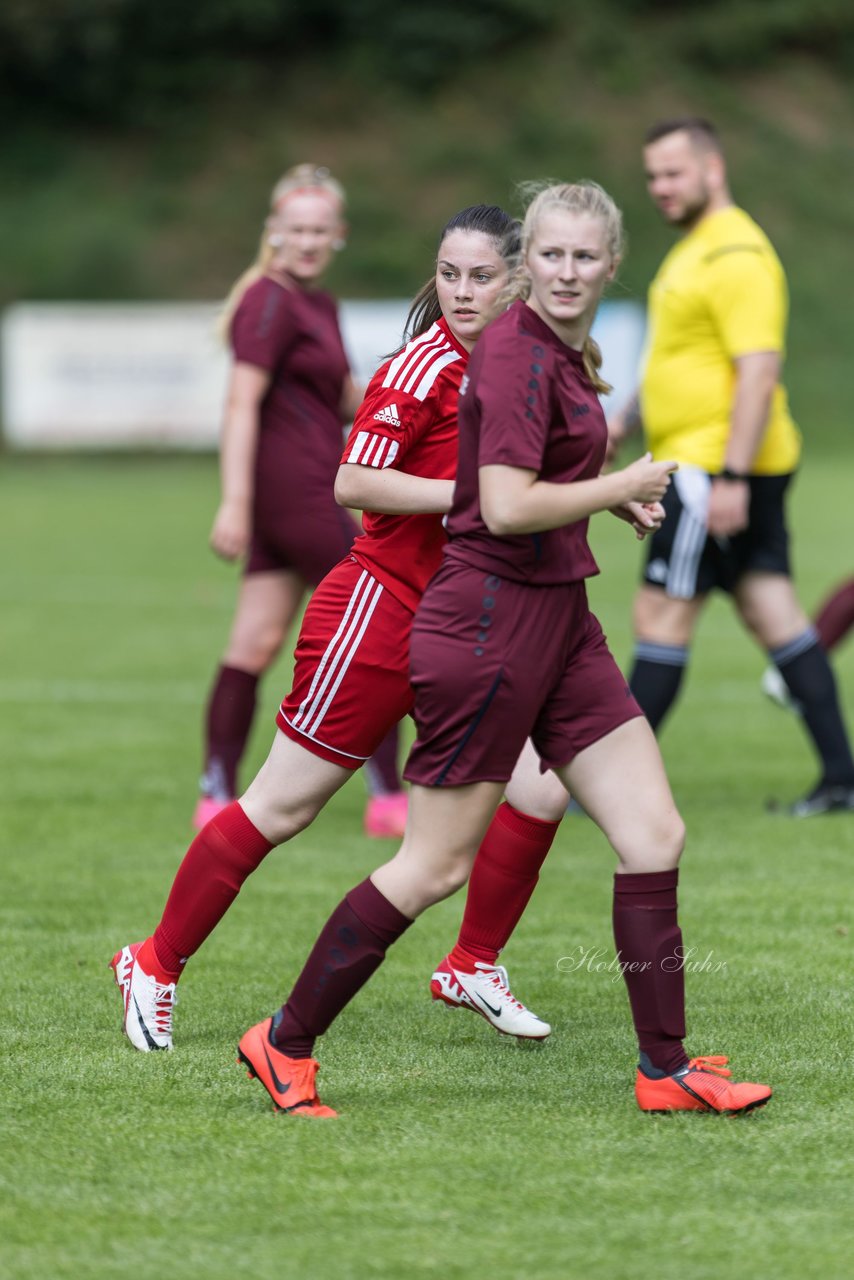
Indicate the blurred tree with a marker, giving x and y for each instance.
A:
(108, 56)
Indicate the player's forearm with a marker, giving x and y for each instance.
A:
(541, 505)
(391, 492)
(237, 453)
(756, 380)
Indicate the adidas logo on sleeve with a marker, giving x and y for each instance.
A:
(389, 414)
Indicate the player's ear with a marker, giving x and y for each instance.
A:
(340, 241)
(715, 170)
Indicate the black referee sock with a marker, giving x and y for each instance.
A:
(656, 677)
(809, 677)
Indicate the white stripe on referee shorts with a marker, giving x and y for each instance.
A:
(339, 654)
(693, 487)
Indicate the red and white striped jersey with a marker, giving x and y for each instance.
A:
(408, 420)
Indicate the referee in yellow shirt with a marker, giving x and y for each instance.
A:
(711, 398)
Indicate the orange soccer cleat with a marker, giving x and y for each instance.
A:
(703, 1085)
(289, 1081)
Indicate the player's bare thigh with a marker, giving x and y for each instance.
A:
(290, 789)
(661, 619)
(621, 783)
(267, 604)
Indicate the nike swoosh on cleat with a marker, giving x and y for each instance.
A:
(496, 1013)
(152, 1044)
(277, 1084)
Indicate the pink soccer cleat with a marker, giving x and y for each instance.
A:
(386, 815)
(207, 808)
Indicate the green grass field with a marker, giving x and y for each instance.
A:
(458, 1153)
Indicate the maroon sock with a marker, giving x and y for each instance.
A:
(351, 946)
(649, 942)
(231, 710)
(836, 617)
(382, 776)
(221, 857)
(504, 876)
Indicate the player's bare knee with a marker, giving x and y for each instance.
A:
(653, 845)
(673, 841)
(267, 647)
(277, 820)
(255, 653)
(447, 879)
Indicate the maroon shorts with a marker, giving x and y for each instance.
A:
(308, 539)
(351, 668)
(494, 662)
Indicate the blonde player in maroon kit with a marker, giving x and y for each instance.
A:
(290, 392)
(504, 648)
(351, 680)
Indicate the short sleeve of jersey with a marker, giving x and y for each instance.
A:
(263, 327)
(746, 296)
(392, 418)
(386, 426)
(513, 392)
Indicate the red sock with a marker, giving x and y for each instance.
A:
(649, 942)
(221, 857)
(504, 876)
(350, 948)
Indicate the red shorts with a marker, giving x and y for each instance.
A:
(351, 668)
(494, 662)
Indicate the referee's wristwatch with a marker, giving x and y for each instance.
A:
(727, 473)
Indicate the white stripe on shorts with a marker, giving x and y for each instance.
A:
(339, 654)
(693, 487)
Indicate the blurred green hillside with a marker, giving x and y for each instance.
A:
(146, 139)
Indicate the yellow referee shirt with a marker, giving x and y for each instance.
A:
(720, 293)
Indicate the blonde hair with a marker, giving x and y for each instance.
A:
(570, 197)
(300, 180)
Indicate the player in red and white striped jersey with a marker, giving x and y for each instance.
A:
(351, 680)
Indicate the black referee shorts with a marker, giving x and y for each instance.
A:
(686, 562)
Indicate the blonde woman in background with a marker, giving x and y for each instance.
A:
(290, 392)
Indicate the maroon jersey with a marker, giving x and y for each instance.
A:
(408, 420)
(293, 333)
(527, 403)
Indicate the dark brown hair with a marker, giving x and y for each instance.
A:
(702, 132)
(489, 220)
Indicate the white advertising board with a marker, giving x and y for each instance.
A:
(95, 376)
